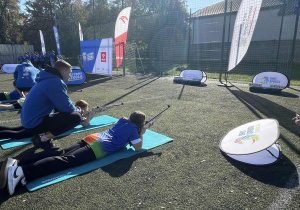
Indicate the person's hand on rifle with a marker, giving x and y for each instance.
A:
(87, 116)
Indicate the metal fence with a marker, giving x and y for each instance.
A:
(9, 53)
(171, 40)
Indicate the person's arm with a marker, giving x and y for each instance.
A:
(138, 146)
(86, 120)
(60, 98)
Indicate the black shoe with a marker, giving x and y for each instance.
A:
(36, 140)
(49, 145)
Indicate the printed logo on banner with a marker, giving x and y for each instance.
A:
(249, 135)
(265, 80)
(123, 18)
(103, 56)
(84, 56)
(76, 76)
(271, 80)
(90, 56)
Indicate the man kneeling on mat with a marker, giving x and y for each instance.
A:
(48, 110)
(20, 132)
(91, 147)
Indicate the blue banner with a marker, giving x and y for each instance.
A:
(96, 56)
(56, 39)
(77, 77)
(42, 43)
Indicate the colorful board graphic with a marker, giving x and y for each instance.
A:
(96, 56)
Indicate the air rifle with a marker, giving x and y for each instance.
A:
(100, 109)
(151, 122)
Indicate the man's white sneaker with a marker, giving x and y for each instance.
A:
(3, 173)
(14, 175)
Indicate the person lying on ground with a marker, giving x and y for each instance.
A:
(7, 96)
(90, 148)
(20, 132)
(15, 105)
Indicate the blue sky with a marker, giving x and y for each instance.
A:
(194, 5)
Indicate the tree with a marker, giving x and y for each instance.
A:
(10, 22)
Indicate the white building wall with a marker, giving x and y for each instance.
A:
(210, 29)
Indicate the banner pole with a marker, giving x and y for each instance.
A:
(228, 40)
(123, 59)
(291, 63)
(223, 40)
(222, 50)
(280, 33)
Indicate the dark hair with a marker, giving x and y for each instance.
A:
(138, 118)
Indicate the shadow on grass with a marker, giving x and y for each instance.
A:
(180, 94)
(126, 94)
(91, 80)
(144, 80)
(294, 89)
(283, 174)
(121, 167)
(272, 92)
(257, 105)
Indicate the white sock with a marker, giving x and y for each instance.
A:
(44, 138)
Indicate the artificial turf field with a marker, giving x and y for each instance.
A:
(188, 173)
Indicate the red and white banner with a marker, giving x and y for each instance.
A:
(243, 30)
(121, 30)
(80, 32)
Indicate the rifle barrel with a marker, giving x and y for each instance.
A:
(160, 113)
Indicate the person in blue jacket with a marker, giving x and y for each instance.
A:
(32, 57)
(20, 58)
(41, 61)
(48, 110)
(51, 56)
(25, 75)
(27, 56)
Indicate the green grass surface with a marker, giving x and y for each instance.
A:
(190, 172)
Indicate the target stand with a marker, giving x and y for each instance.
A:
(191, 77)
(254, 143)
(269, 82)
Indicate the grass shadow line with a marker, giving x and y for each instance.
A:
(121, 167)
(277, 174)
(132, 91)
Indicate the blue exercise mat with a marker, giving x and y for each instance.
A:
(9, 110)
(8, 101)
(150, 140)
(96, 122)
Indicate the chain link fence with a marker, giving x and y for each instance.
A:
(170, 40)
